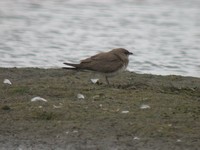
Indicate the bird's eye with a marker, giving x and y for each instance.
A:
(126, 52)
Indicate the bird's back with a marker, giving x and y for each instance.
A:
(102, 62)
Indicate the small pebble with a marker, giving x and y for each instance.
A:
(80, 96)
(6, 107)
(67, 132)
(143, 106)
(59, 106)
(75, 131)
(96, 97)
(136, 138)
(125, 112)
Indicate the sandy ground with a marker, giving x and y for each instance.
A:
(138, 111)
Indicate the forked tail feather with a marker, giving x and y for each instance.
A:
(70, 64)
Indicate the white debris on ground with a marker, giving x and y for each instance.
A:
(95, 97)
(94, 81)
(80, 96)
(6, 81)
(169, 125)
(75, 131)
(124, 111)
(178, 140)
(58, 106)
(144, 106)
(38, 99)
(67, 132)
(136, 138)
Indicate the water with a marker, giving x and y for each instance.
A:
(163, 35)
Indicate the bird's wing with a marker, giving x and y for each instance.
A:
(103, 62)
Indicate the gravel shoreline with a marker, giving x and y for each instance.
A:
(138, 111)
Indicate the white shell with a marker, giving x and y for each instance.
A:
(144, 106)
(136, 138)
(38, 99)
(6, 81)
(125, 112)
(57, 106)
(94, 80)
(80, 96)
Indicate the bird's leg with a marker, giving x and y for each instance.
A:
(107, 81)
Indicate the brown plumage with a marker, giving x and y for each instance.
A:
(107, 63)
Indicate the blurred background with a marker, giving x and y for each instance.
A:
(164, 35)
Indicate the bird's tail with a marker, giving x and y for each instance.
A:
(75, 66)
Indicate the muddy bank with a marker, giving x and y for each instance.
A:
(139, 111)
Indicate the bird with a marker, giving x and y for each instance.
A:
(107, 63)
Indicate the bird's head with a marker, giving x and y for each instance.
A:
(122, 51)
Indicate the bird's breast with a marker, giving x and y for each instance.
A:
(123, 68)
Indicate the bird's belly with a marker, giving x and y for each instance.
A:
(116, 72)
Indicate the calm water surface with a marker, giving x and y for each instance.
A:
(163, 35)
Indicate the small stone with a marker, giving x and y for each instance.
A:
(75, 131)
(67, 132)
(169, 125)
(6, 107)
(125, 112)
(57, 106)
(80, 96)
(144, 106)
(136, 138)
(96, 97)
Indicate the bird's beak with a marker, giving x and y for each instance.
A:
(130, 53)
